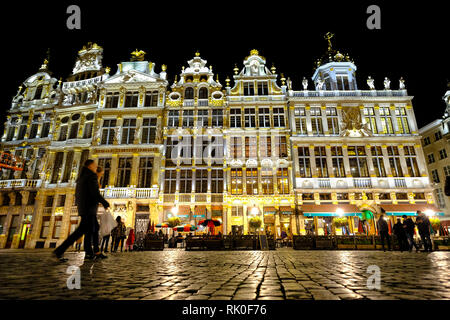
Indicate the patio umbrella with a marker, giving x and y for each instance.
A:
(162, 225)
(210, 223)
(360, 227)
(185, 228)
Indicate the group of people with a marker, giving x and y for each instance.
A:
(404, 232)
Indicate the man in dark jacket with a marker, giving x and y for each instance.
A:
(383, 229)
(87, 197)
(400, 234)
(423, 224)
(408, 226)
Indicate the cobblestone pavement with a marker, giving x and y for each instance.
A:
(224, 275)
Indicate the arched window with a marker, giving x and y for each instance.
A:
(38, 93)
(203, 93)
(189, 93)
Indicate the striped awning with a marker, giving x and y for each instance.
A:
(286, 210)
(410, 209)
(270, 210)
(329, 210)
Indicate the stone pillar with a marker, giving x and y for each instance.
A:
(134, 169)
(245, 218)
(113, 172)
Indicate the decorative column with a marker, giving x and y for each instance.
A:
(114, 168)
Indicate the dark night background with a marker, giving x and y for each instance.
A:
(290, 35)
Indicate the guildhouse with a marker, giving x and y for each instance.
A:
(254, 154)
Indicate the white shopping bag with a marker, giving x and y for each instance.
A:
(107, 223)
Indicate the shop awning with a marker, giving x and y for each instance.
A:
(286, 210)
(410, 209)
(270, 210)
(329, 210)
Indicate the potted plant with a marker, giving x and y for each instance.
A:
(173, 222)
(254, 223)
(340, 222)
(435, 224)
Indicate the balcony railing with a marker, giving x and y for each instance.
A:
(202, 102)
(350, 93)
(400, 183)
(130, 192)
(324, 183)
(20, 183)
(362, 182)
(188, 103)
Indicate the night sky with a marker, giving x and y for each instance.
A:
(289, 34)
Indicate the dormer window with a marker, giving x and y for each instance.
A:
(249, 89)
(38, 93)
(263, 89)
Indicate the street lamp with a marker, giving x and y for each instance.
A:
(340, 212)
(254, 211)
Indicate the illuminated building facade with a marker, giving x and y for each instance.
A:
(195, 149)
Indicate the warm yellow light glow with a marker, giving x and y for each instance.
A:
(174, 210)
(429, 212)
(340, 212)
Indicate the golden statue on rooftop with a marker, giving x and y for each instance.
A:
(137, 55)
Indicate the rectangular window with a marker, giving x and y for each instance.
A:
(386, 120)
(73, 130)
(23, 128)
(435, 175)
(283, 181)
(281, 147)
(321, 162)
(304, 162)
(202, 118)
(112, 100)
(358, 161)
(235, 147)
(278, 117)
(45, 129)
(217, 118)
(45, 226)
(332, 120)
(442, 154)
(68, 167)
(371, 120)
(264, 117)
(188, 118)
(49, 201)
(250, 147)
(394, 161)
(263, 88)
(108, 131)
(87, 130)
(185, 181)
(216, 181)
(62, 133)
(148, 130)
(440, 198)
(265, 146)
(267, 181)
(249, 118)
(236, 181)
(447, 171)
(300, 120)
(378, 163)
(57, 227)
(105, 163)
(402, 120)
(337, 159)
(426, 141)
(251, 178)
(57, 167)
(411, 161)
(124, 172)
(237, 211)
(174, 119)
(201, 181)
(145, 172)
(249, 89)
(316, 121)
(235, 118)
(128, 131)
(131, 99)
(34, 127)
(170, 181)
(437, 135)
(430, 158)
(151, 99)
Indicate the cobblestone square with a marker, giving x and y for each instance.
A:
(175, 274)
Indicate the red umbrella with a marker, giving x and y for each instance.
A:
(210, 223)
(390, 226)
(360, 227)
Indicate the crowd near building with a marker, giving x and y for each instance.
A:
(194, 148)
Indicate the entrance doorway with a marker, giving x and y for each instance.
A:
(12, 231)
(141, 225)
(23, 235)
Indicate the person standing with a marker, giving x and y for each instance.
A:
(383, 230)
(78, 244)
(408, 226)
(87, 198)
(120, 234)
(400, 234)
(130, 241)
(423, 224)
